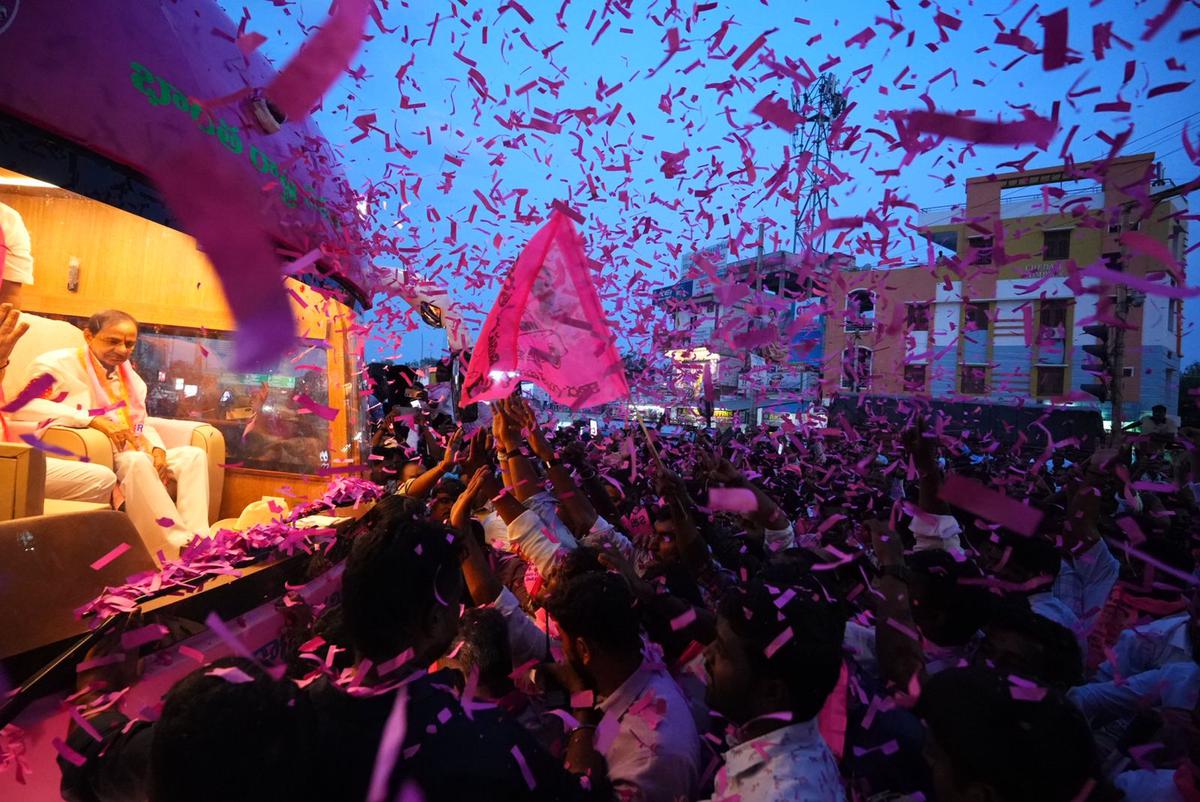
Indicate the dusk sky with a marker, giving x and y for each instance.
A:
(612, 121)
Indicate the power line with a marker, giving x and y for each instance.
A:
(1163, 128)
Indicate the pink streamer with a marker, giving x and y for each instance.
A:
(320, 410)
(34, 390)
(1032, 130)
(306, 78)
(390, 743)
(219, 206)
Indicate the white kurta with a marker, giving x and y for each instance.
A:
(162, 523)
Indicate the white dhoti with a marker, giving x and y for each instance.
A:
(69, 480)
(163, 523)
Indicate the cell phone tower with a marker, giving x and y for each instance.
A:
(819, 106)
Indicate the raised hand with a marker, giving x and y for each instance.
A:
(522, 413)
(451, 451)
(504, 428)
(11, 330)
(464, 505)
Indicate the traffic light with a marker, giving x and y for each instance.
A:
(1101, 351)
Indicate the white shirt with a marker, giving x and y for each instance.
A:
(859, 643)
(529, 536)
(1174, 685)
(526, 639)
(790, 764)
(546, 506)
(1148, 785)
(16, 255)
(649, 739)
(1084, 583)
(1149, 646)
(72, 384)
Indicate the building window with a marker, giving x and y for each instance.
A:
(974, 338)
(981, 247)
(975, 317)
(1172, 313)
(972, 379)
(860, 310)
(1052, 316)
(1050, 380)
(917, 317)
(856, 368)
(914, 378)
(1056, 244)
(1052, 332)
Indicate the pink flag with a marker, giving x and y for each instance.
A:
(548, 327)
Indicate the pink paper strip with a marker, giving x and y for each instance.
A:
(116, 552)
(978, 499)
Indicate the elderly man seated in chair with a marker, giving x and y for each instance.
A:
(96, 387)
(66, 480)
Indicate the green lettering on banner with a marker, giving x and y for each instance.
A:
(160, 92)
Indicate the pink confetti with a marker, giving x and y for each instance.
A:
(684, 619)
(778, 112)
(1146, 285)
(248, 43)
(751, 49)
(1054, 50)
(388, 666)
(37, 388)
(231, 674)
(778, 643)
(525, 771)
(390, 743)
(68, 754)
(113, 554)
(978, 499)
(308, 405)
(1032, 130)
(193, 654)
(732, 499)
(41, 445)
(97, 662)
(222, 631)
(141, 636)
(84, 724)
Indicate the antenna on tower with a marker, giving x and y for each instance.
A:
(820, 104)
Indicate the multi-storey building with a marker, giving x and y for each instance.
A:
(754, 329)
(999, 315)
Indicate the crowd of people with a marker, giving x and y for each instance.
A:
(781, 614)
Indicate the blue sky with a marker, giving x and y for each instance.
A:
(611, 118)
